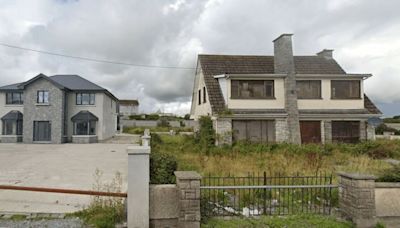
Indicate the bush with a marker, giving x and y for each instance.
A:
(152, 117)
(162, 168)
(206, 135)
(390, 175)
(135, 117)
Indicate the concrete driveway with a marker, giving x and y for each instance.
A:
(70, 166)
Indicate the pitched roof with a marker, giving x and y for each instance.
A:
(12, 115)
(10, 87)
(212, 65)
(84, 116)
(370, 106)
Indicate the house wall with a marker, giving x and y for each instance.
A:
(106, 125)
(52, 112)
(277, 103)
(203, 109)
(327, 103)
(4, 109)
(128, 109)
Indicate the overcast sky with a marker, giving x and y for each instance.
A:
(364, 34)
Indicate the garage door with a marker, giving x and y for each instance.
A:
(310, 131)
(346, 131)
(254, 130)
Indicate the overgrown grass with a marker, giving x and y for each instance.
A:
(286, 159)
(104, 212)
(295, 221)
(140, 130)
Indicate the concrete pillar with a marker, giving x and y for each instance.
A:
(281, 130)
(328, 131)
(363, 130)
(188, 184)
(138, 186)
(146, 138)
(357, 199)
(370, 132)
(223, 128)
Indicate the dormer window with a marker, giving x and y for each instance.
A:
(42, 97)
(345, 89)
(252, 89)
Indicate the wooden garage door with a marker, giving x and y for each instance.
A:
(254, 130)
(346, 131)
(310, 131)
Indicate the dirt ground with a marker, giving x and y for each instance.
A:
(69, 166)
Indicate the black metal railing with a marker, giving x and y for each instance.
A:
(259, 194)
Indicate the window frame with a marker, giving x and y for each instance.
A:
(81, 95)
(267, 82)
(89, 129)
(334, 94)
(42, 101)
(309, 98)
(11, 94)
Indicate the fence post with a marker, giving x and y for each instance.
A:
(138, 186)
(146, 138)
(357, 198)
(188, 183)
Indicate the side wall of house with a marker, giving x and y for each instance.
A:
(204, 108)
(4, 108)
(109, 126)
(53, 111)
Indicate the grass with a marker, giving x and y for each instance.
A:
(295, 221)
(285, 159)
(140, 130)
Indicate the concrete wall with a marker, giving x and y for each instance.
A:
(128, 110)
(52, 112)
(154, 123)
(387, 201)
(164, 207)
(4, 109)
(110, 115)
(203, 109)
(327, 103)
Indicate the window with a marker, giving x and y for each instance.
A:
(43, 97)
(345, 89)
(14, 98)
(8, 127)
(85, 98)
(308, 89)
(199, 96)
(85, 128)
(257, 89)
(204, 95)
(345, 131)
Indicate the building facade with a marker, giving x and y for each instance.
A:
(57, 109)
(128, 107)
(282, 98)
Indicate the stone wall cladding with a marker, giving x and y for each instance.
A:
(223, 128)
(188, 184)
(52, 112)
(363, 130)
(10, 138)
(327, 131)
(370, 132)
(281, 130)
(357, 199)
(84, 139)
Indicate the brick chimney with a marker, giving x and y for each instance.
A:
(284, 64)
(326, 53)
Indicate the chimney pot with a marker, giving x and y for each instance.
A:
(326, 53)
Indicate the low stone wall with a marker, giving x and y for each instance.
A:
(387, 202)
(84, 139)
(10, 138)
(390, 137)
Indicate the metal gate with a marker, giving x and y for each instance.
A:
(256, 195)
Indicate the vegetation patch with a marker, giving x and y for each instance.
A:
(390, 175)
(295, 221)
(140, 130)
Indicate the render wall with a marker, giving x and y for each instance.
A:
(203, 109)
(52, 112)
(4, 109)
(109, 126)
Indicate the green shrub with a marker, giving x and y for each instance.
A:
(390, 175)
(206, 134)
(152, 117)
(162, 168)
(135, 117)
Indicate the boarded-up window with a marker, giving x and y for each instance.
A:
(199, 96)
(345, 131)
(345, 89)
(261, 131)
(308, 89)
(258, 89)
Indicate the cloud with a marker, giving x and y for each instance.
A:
(364, 35)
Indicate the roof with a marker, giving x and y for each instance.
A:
(212, 65)
(69, 82)
(84, 116)
(128, 102)
(12, 115)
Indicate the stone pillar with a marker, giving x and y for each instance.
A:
(363, 130)
(146, 138)
(357, 198)
(370, 132)
(138, 186)
(281, 130)
(223, 128)
(188, 184)
(328, 131)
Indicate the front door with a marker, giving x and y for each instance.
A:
(310, 131)
(41, 131)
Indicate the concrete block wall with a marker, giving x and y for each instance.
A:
(363, 130)
(281, 130)
(223, 128)
(357, 198)
(327, 131)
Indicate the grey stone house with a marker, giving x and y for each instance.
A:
(57, 109)
(282, 98)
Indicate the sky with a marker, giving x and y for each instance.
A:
(363, 33)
